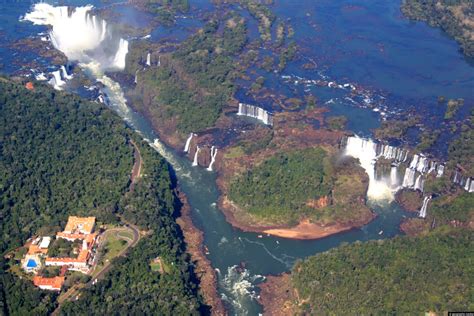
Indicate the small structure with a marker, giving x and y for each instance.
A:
(44, 244)
(52, 284)
(31, 263)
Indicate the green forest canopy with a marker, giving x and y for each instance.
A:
(404, 275)
(61, 155)
(281, 185)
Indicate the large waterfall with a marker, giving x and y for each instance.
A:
(80, 35)
(255, 112)
(366, 152)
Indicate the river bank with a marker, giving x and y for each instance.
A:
(194, 240)
(277, 295)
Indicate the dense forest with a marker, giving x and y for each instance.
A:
(193, 84)
(303, 184)
(455, 17)
(404, 275)
(281, 185)
(61, 155)
(131, 287)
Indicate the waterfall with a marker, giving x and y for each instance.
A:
(424, 207)
(80, 35)
(57, 82)
(188, 142)
(409, 178)
(440, 171)
(465, 182)
(366, 152)
(468, 184)
(159, 61)
(213, 157)
(414, 162)
(419, 183)
(136, 77)
(65, 74)
(394, 176)
(255, 112)
(148, 59)
(195, 161)
(120, 56)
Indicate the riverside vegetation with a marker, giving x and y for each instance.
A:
(65, 156)
(301, 184)
(194, 83)
(455, 17)
(403, 276)
(432, 271)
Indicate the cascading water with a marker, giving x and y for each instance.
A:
(424, 207)
(195, 160)
(255, 112)
(394, 176)
(148, 59)
(419, 183)
(120, 56)
(188, 142)
(65, 74)
(213, 157)
(409, 178)
(366, 152)
(80, 35)
(56, 81)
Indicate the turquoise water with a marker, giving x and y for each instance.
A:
(402, 65)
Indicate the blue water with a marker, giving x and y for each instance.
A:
(399, 64)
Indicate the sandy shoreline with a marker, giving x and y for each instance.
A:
(305, 230)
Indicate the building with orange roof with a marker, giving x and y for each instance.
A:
(35, 249)
(80, 263)
(52, 284)
(79, 225)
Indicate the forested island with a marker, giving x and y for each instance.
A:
(62, 155)
(454, 17)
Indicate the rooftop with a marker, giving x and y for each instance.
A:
(54, 283)
(83, 225)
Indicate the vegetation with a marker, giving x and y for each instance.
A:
(61, 156)
(427, 140)
(132, 287)
(165, 10)
(455, 17)
(462, 148)
(263, 14)
(397, 276)
(452, 108)
(337, 122)
(63, 248)
(395, 129)
(194, 84)
(281, 185)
